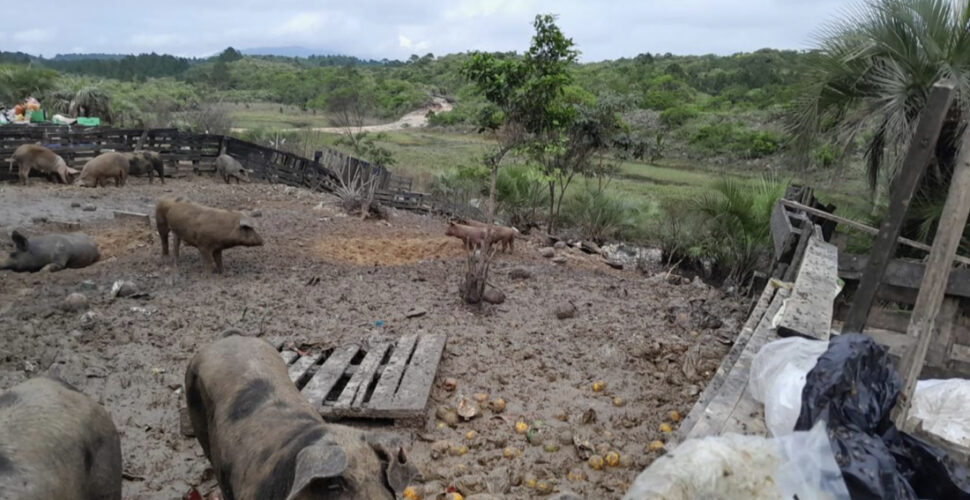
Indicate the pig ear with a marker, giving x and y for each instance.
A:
(318, 468)
(398, 471)
(19, 240)
(246, 222)
(452, 223)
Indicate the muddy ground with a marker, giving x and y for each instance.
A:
(653, 343)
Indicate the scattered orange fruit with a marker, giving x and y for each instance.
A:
(411, 494)
(471, 435)
(612, 458)
(498, 405)
(596, 462)
(665, 427)
(674, 416)
(543, 486)
(481, 397)
(618, 401)
(530, 481)
(510, 452)
(521, 427)
(655, 446)
(454, 495)
(598, 386)
(576, 475)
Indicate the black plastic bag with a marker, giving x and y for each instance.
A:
(853, 388)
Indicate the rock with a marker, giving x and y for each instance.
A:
(123, 288)
(449, 384)
(75, 204)
(256, 213)
(566, 311)
(631, 256)
(493, 296)
(560, 245)
(615, 264)
(547, 252)
(589, 247)
(87, 285)
(90, 319)
(417, 312)
(520, 273)
(559, 259)
(89, 208)
(76, 302)
(40, 219)
(566, 495)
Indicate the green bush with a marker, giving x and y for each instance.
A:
(733, 138)
(521, 192)
(598, 215)
(461, 184)
(677, 116)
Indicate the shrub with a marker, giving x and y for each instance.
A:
(677, 116)
(521, 190)
(460, 184)
(598, 215)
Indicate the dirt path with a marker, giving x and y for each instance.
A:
(414, 119)
(654, 344)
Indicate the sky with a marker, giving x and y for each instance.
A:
(395, 29)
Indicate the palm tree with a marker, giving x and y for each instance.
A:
(871, 76)
(87, 100)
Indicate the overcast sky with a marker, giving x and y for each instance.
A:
(395, 29)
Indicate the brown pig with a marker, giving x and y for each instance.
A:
(211, 230)
(29, 157)
(266, 442)
(105, 166)
(57, 443)
(472, 237)
(505, 236)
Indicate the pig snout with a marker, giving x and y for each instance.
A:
(246, 234)
(55, 442)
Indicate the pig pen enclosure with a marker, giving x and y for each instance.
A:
(324, 281)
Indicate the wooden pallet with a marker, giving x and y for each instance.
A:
(391, 380)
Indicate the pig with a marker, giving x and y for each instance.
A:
(29, 157)
(52, 252)
(266, 442)
(142, 162)
(211, 230)
(55, 442)
(104, 166)
(229, 168)
(505, 236)
(472, 237)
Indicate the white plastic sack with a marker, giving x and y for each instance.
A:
(777, 378)
(944, 407)
(736, 467)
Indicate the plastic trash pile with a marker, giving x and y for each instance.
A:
(25, 112)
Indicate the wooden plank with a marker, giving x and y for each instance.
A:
(319, 386)
(724, 403)
(944, 334)
(921, 149)
(289, 356)
(300, 370)
(808, 312)
(904, 273)
(949, 232)
(782, 232)
(354, 391)
(713, 385)
(419, 375)
(807, 230)
(391, 376)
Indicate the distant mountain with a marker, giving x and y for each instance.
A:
(292, 51)
(87, 57)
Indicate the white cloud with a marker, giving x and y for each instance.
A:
(151, 41)
(33, 36)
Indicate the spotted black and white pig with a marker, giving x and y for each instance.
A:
(266, 442)
(56, 443)
(51, 251)
(141, 162)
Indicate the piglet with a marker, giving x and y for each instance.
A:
(472, 237)
(266, 442)
(211, 230)
(57, 443)
(52, 251)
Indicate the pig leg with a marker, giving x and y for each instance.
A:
(176, 243)
(24, 172)
(217, 256)
(208, 261)
(163, 235)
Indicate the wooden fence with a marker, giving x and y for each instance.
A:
(327, 171)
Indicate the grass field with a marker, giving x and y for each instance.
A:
(268, 115)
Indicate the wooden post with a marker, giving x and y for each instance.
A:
(953, 220)
(921, 149)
